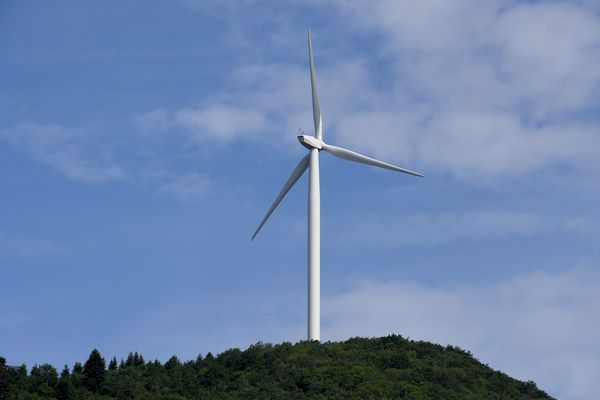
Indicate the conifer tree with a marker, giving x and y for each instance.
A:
(135, 360)
(77, 368)
(3, 379)
(130, 360)
(93, 371)
(172, 363)
(113, 364)
(43, 380)
(64, 388)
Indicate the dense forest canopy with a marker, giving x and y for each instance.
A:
(390, 367)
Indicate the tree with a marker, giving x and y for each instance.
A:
(3, 379)
(65, 372)
(113, 364)
(130, 360)
(77, 368)
(17, 380)
(64, 388)
(172, 363)
(93, 371)
(43, 380)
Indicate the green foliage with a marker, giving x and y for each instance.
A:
(64, 388)
(4, 379)
(43, 380)
(93, 371)
(77, 368)
(113, 364)
(380, 368)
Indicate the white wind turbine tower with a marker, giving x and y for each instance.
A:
(315, 144)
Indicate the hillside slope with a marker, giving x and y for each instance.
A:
(379, 368)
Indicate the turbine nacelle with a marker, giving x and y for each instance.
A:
(310, 142)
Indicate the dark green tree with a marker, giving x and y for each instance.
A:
(93, 371)
(4, 379)
(77, 368)
(172, 363)
(64, 388)
(18, 380)
(130, 362)
(113, 364)
(43, 380)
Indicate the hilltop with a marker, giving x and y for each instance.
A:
(390, 367)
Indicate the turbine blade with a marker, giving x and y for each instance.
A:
(296, 174)
(359, 158)
(315, 96)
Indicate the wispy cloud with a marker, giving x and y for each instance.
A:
(27, 248)
(539, 326)
(187, 187)
(508, 88)
(80, 156)
(156, 121)
(498, 89)
(67, 150)
(220, 122)
(429, 230)
(265, 101)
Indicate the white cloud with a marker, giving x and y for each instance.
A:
(187, 187)
(503, 89)
(497, 144)
(67, 150)
(268, 101)
(156, 121)
(481, 90)
(551, 52)
(75, 153)
(220, 122)
(264, 103)
(538, 326)
(21, 247)
(425, 229)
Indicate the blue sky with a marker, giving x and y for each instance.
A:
(141, 144)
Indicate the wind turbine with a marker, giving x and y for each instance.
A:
(311, 161)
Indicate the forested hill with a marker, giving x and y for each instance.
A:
(381, 368)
